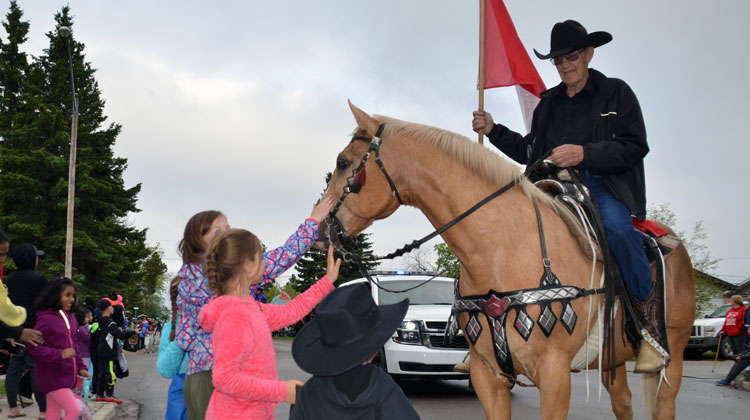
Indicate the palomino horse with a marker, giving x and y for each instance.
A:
(442, 174)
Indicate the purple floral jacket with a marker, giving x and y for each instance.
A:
(194, 293)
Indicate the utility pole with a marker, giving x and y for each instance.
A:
(64, 32)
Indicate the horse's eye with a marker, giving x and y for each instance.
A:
(341, 164)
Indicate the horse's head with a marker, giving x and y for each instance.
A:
(359, 184)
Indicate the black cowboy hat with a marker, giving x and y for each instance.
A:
(348, 329)
(569, 36)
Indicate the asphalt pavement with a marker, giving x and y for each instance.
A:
(699, 397)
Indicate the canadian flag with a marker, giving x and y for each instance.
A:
(506, 62)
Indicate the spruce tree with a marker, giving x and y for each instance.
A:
(108, 253)
(13, 67)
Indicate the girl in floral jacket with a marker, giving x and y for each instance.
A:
(194, 292)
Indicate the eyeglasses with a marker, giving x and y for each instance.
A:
(569, 57)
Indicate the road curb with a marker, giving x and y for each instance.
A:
(106, 411)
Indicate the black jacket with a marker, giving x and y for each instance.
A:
(24, 287)
(108, 337)
(617, 147)
(382, 398)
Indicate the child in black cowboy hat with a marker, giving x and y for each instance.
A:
(337, 348)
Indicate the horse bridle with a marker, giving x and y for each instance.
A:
(354, 185)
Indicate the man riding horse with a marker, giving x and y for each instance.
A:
(594, 124)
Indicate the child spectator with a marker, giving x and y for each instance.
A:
(107, 352)
(171, 362)
(194, 293)
(142, 335)
(245, 379)
(84, 318)
(337, 347)
(58, 364)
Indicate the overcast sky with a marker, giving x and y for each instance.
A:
(241, 106)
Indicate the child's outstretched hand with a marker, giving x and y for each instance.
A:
(332, 270)
(291, 390)
(320, 211)
(68, 353)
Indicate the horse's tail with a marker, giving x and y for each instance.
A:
(649, 388)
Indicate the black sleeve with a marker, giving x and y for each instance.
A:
(397, 407)
(113, 329)
(10, 332)
(514, 145)
(628, 145)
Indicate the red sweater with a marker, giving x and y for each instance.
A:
(246, 383)
(734, 323)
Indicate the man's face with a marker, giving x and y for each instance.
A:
(573, 68)
(4, 248)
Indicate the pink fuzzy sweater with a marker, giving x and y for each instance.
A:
(246, 383)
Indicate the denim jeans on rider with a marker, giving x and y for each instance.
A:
(624, 240)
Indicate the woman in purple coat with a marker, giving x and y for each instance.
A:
(58, 364)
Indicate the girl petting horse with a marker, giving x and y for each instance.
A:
(443, 174)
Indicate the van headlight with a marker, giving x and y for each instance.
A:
(409, 333)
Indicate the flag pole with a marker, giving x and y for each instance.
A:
(480, 83)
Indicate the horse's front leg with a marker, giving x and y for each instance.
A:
(553, 379)
(493, 391)
(620, 396)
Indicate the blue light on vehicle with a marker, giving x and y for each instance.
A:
(400, 272)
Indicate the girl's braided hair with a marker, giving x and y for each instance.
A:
(227, 255)
(173, 292)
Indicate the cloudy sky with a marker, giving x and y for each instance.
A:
(241, 106)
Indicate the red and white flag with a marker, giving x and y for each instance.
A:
(506, 62)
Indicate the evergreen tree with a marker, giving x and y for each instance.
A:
(13, 67)
(312, 266)
(108, 253)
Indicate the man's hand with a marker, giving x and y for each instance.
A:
(84, 373)
(482, 122)
(567, 155)
(33, 337)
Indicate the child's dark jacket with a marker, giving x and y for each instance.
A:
(108, 337)
(320, 398)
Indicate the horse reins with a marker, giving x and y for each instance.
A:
(354, 185)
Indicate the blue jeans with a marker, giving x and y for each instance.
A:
(624, 240)
(176, 409)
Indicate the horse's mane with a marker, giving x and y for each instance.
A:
(480, 160)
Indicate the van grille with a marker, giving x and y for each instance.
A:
(435, 331)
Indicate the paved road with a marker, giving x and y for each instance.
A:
(699, 398)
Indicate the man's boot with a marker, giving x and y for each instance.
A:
(652, 353)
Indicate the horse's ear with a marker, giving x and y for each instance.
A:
(364, 121)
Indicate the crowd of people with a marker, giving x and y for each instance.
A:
(56, 347)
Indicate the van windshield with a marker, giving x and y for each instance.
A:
(432, 293)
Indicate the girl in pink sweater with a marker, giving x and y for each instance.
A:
(246, 383)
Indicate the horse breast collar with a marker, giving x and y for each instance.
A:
(496, 305)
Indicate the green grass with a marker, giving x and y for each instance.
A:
(284, 338)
